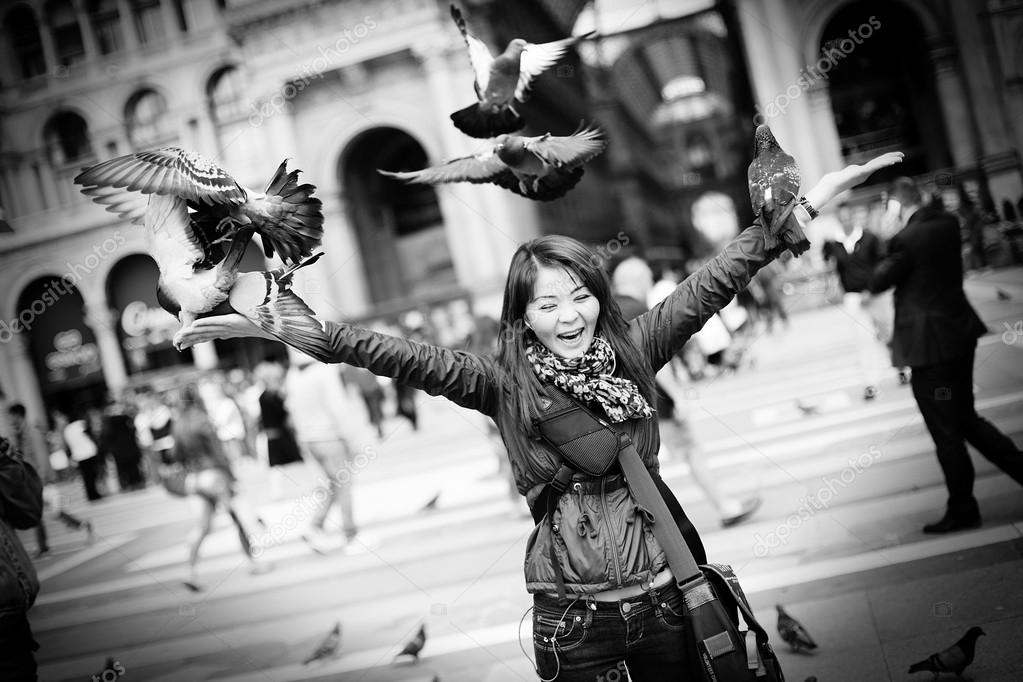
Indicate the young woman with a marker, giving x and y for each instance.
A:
(561, 327)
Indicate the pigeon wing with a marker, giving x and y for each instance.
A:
(952, 659)
(169, 171)
(537, 58)
(479, 54)
(479, 168)
(129, 206)
(173, 241)
(567, 151)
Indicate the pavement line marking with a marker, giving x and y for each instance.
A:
(102, 546)
(879, 558)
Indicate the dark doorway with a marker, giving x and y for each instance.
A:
(399, 226)
(882, 87)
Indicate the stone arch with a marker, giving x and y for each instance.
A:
(819, 13)
(399, 226)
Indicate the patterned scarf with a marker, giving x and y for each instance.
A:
(589, 379)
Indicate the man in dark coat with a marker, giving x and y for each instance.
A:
(936, 332)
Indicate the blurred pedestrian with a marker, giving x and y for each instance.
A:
(119, 440)
(21, 507)
(207, 475)
(936, 332)
(226, 417)
(371, 391)
(276, 425)
(855, 252)
(632, 282)
(24, 438)
(331, 425)
(85, 454)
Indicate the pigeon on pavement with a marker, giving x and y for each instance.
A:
(328, 647)
(541, 168)
(953, 659)
(414, 645)
(792, 632)
(502, 82)
(774, 191)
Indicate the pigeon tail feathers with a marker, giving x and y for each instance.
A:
(475, 122)
(296, 216)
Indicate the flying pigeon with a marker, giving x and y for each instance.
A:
(503, 81)
(541, 168)
(953, 659)
(189, 208)
(328, 647)
(792, 632)
(414, 645)
(774, 191)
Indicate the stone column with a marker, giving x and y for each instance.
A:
(103, 323)
(49, 49)
(127, 17)
(960, 127)
(85, 26)
(824, 131)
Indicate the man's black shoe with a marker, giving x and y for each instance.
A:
(950, 524)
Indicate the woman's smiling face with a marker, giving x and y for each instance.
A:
(562, 312)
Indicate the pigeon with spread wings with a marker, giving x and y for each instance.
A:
(199, 221)
(502, 82)
(542, 168)
(774, 191)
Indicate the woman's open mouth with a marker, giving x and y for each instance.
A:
(571, 337)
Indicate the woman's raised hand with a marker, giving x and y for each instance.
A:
(217, 327)
(834, 183)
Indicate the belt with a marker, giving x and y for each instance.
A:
(660, 580)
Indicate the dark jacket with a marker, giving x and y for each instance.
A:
(605, 542)
(21, 507)
(933, 320)
(856, 268)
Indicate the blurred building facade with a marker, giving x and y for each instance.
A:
(343, 87)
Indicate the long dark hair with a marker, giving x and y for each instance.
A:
(521, 396)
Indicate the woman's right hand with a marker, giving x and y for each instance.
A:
(217, 327)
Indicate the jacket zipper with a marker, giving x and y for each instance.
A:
(610, 534)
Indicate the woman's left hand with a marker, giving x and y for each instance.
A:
(833, 184)
(217, 327)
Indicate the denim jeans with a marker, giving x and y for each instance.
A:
(591, 641)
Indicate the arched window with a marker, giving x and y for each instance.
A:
(67, 139)
(23, 37)
(106, 25)
(148, 21)
(146, 119)
(225, 95)
(67, 35)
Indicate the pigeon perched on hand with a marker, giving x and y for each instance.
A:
(503, 81)
(190, 208)
(953, 659)
(414, 645)
(541, 168)
(328, 647)
(792, 632)
(774, 191)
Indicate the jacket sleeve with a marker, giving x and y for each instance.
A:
(465, 379)
(21, 491)
(666, 328)
(893, 269)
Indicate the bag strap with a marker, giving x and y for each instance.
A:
(669, 537)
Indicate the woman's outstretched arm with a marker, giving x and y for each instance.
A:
(464, 378)
(665, 329)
